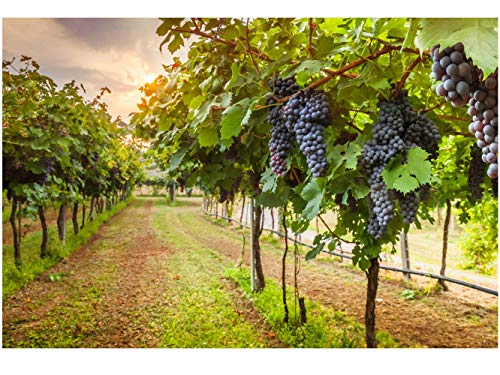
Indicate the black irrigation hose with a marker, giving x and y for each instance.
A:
(395, 269)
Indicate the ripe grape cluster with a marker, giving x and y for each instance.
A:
(399, 128)
(456, 72)
(476, 173)
(304, 118)
(462, 83)
(307, 114)
(281, 137)
(483, 107)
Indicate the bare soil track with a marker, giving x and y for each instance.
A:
(110, 291)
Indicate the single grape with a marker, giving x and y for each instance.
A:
(493, 170)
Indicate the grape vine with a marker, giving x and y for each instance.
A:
(399, 129)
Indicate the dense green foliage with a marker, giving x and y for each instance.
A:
(480, 237)
(58, 148)
(207, 116)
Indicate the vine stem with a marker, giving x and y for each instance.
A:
(249, 48)
(334, 73)
(405, 76)
(283, 267)
(319, 216)
(214, 38)
(425, 110)
(310, 48)
(453, 118)
(333, 234)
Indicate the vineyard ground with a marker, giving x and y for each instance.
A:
(159, 283)
(425, 246)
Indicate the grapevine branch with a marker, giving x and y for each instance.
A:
(249, 48)
(310, 48)
(402, 81)
(453, 118)
(345, 75)
(334, 73)
(331, 231)
(433, 107)
(351, 125)
(215, 38)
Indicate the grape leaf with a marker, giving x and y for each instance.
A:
(268, 199)
(411, 33)
(313, 195)
(479, 36)
(167, 23)
(208, 137)
(408, 177)
(226, 99)
(268, 180)
(351, 155)
(196, 102)
(164, 123)
(177, 157)
(315, 251)
(231, 121)
(176, 43)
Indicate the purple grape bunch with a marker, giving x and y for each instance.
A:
(483, 107)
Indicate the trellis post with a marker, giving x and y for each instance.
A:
(405, 255)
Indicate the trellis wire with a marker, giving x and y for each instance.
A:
(388, 268)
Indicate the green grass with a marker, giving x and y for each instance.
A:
(325, 327)
(6, 210)
(32, 266)
(199, 292)
(201, 312)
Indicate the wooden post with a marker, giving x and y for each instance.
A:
(405, 255)
(252, 254)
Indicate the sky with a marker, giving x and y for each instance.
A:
(120, 53)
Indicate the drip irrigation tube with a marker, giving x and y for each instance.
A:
(394, 269)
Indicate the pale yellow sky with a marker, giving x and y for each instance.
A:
(121, 54)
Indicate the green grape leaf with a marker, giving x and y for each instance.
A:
(351, 155)
(226, 99)
(315, 251)
(164, 123)
(408, 177)
(364, 263)
(196, 102)
(167, 24)
(479, 36)
(234, 117)
(411, 33)
(269, 180)
(269, 199)
(176, 158)
(313, 195)
(208, 137)
(231, 121)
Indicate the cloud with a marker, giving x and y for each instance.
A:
(117, 53)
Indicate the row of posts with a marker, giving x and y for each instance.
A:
(405, 251)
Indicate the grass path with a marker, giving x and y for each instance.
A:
(125, 288)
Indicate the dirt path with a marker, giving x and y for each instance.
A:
(439, 320)
(116, 291)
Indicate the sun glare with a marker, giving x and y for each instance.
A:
(148, 78)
